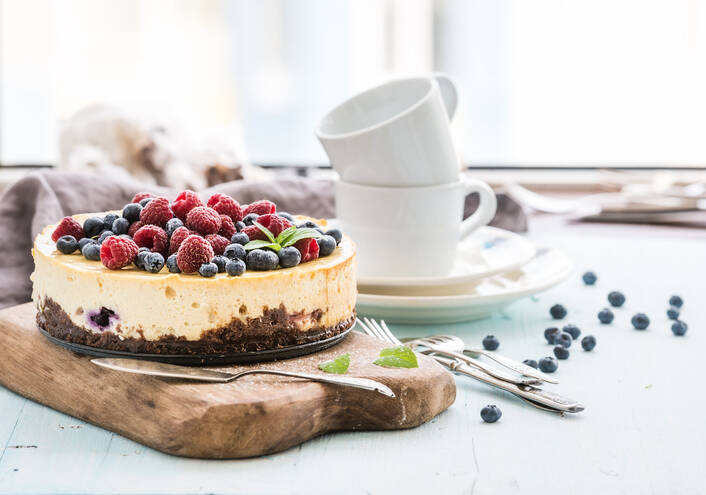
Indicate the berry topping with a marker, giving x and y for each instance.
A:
(640, 321)
(289, 257)
(274, 223)
(140, 196)
(589, 278)
(248, 219)
(261, 259)
(605, 316)
(67, 244)
(227, 227)
(172, 264)
(616, 299)
(254, 233)
(84, 241)
(235, 267)
(193, 252)
(327, 244)
(308, 225)
(490, 343)
(557, 311)
(308, 248)
(184, 203)
(140, 258)
(239, 226)
(262, 207)
(120, 226)
(490, 414)
(92, 227)
(236, 251)
(208, 270)
(91, 251)
(240, 238)
(157, 212)
(68, 226)
(676, 301)
(286, 215)
(225, 205)
(679, 328)
(153, 238)
(588, 342)
(551, 334)
(134, 227)
(145, 201)
(673, 313)
(172, 225)
(220, 262)
(117, 252)
(572, 330)
(204, 220)
(131, 212)
(531, 363)
(104, 235)
(153, 262)
(108, 221)
(218, 242)
(336, 234)
(548, 364)
(561, 352)
(177, 238)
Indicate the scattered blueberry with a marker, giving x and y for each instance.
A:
(563, 339)
(82, 242)
(548, 364)
(261, 259)
(640, 321)
(561, 352)
(248, 219)
(104, 235)
(220, 261)
(572, 330)
(673, 313)
(557, 311)
(679, 328)
(108, 221)
(490, 414)
(605, 316)
(327, 244)
(589, 278)
(551, 333)
(67, 244)
(336, 234)
(676, 301)
(172, 225)
(144, 202)
(239, 225)
(208, 270)
(233, 251)
(616, 299)
(490, 343)
(286, 215)
(531, 363)
(91, 251)
(120, 226)
(172, 264)
(289, 257)
(588, 342)
(240, 238)
(93, 226)
(153, 262)
(140, 258)
(308, 224)
(131, 212)
(235, 267)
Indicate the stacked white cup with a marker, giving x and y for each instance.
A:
(401, 191)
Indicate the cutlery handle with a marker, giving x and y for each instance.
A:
(500, 375)
(348, 381)
(518, 367)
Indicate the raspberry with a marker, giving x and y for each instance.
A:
(117, 252)
(309, 249)
(227, 227)
(157, 212)
(262, 207)
(184, 203)
(140, 196)
(204, 220)
(177, 238)
(68, 226)
(193, 252)
(274, 223)
(217, 242)
(225, 205)
(254, 233)
(134, 227)
(153, 238)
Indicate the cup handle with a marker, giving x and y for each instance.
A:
(448, 93)
(486, 206)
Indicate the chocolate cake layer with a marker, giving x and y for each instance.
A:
(273, 330)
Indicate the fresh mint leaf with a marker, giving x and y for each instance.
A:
(338, 365)
(262, 244)
(265, 230)
(299, 234)
(397, 357)
(284, 235)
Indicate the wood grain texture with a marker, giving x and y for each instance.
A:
(252, 416)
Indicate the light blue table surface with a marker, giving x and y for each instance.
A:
(643, 430)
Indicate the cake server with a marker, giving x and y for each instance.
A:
(154, 368)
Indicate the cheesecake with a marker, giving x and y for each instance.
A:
(166, 311)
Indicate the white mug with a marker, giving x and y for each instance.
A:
(396, 134)
(411, 231)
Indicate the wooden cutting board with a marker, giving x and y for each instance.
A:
(253, 416)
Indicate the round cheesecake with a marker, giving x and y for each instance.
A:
(83, 302)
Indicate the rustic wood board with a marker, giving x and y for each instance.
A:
(253, 416)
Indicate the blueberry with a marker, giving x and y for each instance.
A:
(589, 278)
(93, 226)
(557, 311)
(551, 333)
(233, 251)
(153, 262)
(208, 270)
(239, 225)
(673, 313)
(572, 330)
(131, 212)
(563, 339)
(588, 342)
(605, 316)
(140, 258)
(561, 352)
(120, 226)
(91, 251)
(220, 261)
(144, 202)
(286, 215)
(240, 238)
(490, 343)
(308, 225)
(172, 264)
(261, 259)
(548, 364)
(82, 242)
(640, 321)
(679, 328)
(531, 363)
(104, 235)
(491, 413)
(108, 221)
(235, 267)
(336, 234)
(67, 244)
(248, 219)
(616, 299)
(326, 245)
(172, 225)
(289, 257)
(676, 301)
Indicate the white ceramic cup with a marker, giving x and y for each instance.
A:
(396, 134)
(411, 231)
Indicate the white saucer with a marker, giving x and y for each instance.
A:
(548, 268)
(486, 252)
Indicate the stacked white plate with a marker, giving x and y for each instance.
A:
(493, 269)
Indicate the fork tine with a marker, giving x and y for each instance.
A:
(389, 333)
(375, 327)
(365, 328)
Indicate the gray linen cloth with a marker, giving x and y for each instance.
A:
(44, 198)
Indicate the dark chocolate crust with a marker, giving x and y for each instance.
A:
(273, 330)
